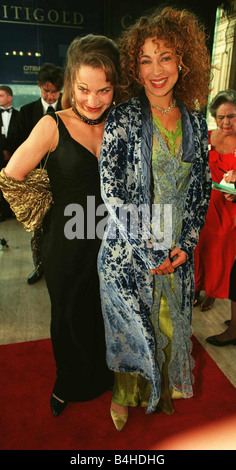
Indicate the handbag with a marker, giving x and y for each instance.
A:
(31, 198)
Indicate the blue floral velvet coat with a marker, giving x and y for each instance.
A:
(125, 261)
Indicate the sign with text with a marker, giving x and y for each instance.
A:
(35, 32)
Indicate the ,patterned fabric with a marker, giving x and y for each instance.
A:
(171, 138)
(125, 261)
(171, 178)
(36, 247)
(29, 199)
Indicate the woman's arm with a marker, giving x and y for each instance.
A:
(169, 266)
(44, 137)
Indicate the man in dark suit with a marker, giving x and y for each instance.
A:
(50, 81)
(8, 136)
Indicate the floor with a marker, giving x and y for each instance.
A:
(25, 309)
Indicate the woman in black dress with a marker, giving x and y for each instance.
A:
(71, 243)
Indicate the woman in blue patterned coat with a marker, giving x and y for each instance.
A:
(156, 185)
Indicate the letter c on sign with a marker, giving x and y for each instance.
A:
(125, 21)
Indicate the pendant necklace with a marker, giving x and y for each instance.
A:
(164, 111)
(91, 122)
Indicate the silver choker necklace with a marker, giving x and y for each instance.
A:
(164, 111)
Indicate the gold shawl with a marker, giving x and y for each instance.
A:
(29, 199)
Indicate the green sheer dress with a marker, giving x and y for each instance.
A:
(170, 182)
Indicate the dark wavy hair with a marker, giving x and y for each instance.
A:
(51, 73)
(96, 51)
(182, 32)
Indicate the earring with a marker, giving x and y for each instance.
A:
(72, 98)
(179, 68)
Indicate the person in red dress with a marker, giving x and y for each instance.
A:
(229, 335)
(216, 250)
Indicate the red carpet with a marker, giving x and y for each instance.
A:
(26, 423)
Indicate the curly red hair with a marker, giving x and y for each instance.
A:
(181, 31)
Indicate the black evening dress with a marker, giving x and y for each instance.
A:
(70, 268)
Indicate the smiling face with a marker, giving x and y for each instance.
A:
(158, 70)
(226, 118)
(92, 93)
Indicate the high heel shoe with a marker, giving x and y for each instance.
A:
(57, 406)
(207, 304)
(118, 420)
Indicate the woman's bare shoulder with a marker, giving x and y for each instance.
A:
(46, 124)
(215, 136)
(64, 112)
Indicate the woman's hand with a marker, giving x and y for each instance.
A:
(181, 257)
(167, 267)
(230, 176)
(230, 197)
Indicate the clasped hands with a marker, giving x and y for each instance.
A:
(168, 266)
